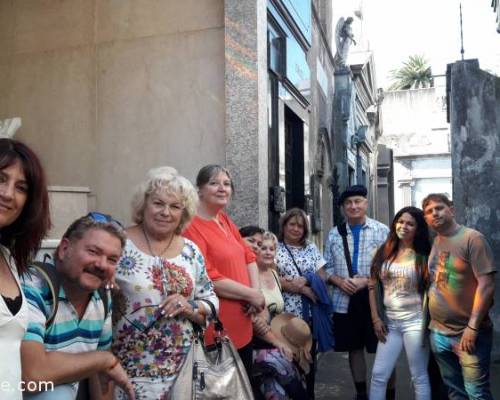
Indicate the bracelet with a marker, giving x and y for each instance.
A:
(474, 329)
(115, 363)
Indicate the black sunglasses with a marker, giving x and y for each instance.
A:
(157, 315)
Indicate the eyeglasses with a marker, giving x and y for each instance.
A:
(104, 218)
(152, 313)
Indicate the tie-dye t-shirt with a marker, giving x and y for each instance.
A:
(455, 262)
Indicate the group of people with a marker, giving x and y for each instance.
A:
(113, 315)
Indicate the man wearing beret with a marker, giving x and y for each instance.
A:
(348, 252)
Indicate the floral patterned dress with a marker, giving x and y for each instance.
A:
(308, 259)
(152, 347)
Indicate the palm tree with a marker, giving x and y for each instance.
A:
(415, 73)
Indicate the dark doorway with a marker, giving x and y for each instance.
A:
(274, 155)
(294, 160)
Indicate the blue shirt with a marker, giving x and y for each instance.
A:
(356, 230)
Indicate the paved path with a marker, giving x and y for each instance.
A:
(333, 379)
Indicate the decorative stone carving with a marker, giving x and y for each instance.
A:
(9, 126)
(343, 39)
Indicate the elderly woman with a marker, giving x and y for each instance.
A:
(230, 262)
(24, 220)
(162, 280)
(296, 258)
(275, 374)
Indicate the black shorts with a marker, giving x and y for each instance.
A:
(354, 330)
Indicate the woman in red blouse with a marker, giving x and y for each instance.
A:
(230, 262)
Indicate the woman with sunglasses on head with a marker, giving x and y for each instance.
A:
(230, 261)
(275, 375)
(162, 284)
(24, 221)
(397, 287)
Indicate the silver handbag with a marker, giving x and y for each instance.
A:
(212, 372)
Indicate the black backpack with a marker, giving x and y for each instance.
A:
(47, 271)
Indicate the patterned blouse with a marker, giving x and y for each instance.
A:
(308, 259)
(152, 347)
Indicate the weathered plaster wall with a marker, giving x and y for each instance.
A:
(475, 128)
(415, 128)
(107, 90)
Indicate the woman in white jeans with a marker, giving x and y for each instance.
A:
(397, 287)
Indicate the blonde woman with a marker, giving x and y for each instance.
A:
(275, 373)
(162, 279)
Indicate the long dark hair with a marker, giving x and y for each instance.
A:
(421, 245)
(24, 236)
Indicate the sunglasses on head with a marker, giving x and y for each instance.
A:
(104, 218)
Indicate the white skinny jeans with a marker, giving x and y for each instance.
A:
(409, 334)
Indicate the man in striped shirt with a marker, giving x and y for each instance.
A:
(73, 344)
(353, 330)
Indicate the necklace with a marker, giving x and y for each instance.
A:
(148, 242)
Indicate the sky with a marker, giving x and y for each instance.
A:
(397, 29)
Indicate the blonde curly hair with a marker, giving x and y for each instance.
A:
(165, 180)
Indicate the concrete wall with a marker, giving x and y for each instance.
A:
(475, 127)
(107, 90)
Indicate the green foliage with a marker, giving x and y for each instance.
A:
(415, 73)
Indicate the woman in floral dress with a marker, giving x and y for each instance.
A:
(295, 258)
(162, 280)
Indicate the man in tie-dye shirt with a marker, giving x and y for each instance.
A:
(461, 292)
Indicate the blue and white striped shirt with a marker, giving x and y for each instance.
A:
(67, 332)
(373, 234)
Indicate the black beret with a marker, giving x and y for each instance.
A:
(354, 190)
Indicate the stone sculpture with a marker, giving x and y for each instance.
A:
(9, 126)
(343, 38)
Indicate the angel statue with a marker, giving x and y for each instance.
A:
(343, 39)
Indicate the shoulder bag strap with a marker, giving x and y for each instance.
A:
(342, 228)
(275, 274)
(293, 259)
(218, 323)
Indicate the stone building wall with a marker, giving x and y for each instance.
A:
(107, 90)
(415, 128)
(474, 111)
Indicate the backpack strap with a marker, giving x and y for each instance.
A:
(49, 274)
(342, 228)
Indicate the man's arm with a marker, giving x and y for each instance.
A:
(482, 302)
(60, 367)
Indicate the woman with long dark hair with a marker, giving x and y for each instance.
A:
(24, 221)
(397, 288)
